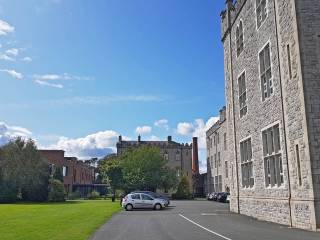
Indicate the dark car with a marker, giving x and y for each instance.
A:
(222, 197)
(215, 196)
(155, 195)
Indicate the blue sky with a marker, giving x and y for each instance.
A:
(76, 73)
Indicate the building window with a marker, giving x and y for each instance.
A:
(246, 164)
(166, 156)
(65, 171)
(272, 156)
(242, 94)
(211, 161)
(298, 165)
(226, 169)
(218, 138)
(215, 160)
(239, 39)
(261, 11)
(225, 141)
(289, 61)
(219, 159)
(265, 72)
(220, 183)
(214, 140)
(178, 156)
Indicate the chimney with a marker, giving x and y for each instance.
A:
(139, 138)
(120, 139)
(169, 138)
(195, 157)
(223, 114)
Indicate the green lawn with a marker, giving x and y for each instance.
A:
(72, 220)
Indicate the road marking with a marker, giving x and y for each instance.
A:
(217, 234)
(214, 214)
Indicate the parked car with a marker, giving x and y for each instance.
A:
(155, 195)
(222, 197)
(142, 200)
(215, 196)
(210, 196)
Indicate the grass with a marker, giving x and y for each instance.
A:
(72, 220)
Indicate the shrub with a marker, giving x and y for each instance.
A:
(74, 195)
(56, 191)
(183, 191)
(93, 195)
(8, 192)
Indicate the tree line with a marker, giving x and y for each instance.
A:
(143, 169)
(26, 176)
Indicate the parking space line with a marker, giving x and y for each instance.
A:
(217, 234)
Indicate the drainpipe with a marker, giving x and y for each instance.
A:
(283, 117)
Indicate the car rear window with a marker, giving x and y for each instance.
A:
(135, 196)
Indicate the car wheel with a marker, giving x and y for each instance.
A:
(129, 207)
(157, 207)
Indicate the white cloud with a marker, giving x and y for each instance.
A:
(6, 57)
(94, 145)
(13, 52)
(185, 128)
(197, 129)
(101, 100)
(46, 79)
(143, 129)
(8, 133)
(44, 83)
(5, 28)
(26, 59)
(12, 73)
(162, 123)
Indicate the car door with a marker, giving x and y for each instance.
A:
(136, 200)
(147, 201)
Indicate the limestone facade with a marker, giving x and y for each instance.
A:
(272, 83)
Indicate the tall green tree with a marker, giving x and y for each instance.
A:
(110, 172)
(144, 168)
(24, 171)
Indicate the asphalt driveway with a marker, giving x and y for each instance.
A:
(194, 220)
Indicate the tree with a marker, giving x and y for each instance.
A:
(56, 191)
(24, 171)
(144, 168)
(183, 191)
(110, 172)
(169, 179)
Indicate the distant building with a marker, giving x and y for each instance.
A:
(217, 156)
(181, 157)
(272, 74)
(75, 172)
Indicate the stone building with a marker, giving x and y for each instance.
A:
(182, 157)
(272, 74)
(217, 158)
(75, 173)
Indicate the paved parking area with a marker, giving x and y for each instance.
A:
(194, 220)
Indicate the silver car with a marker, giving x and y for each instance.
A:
(142, 200)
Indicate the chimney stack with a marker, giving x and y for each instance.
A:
(120, 139)
(195, 157)
(169, 138)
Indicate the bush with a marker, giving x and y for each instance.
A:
(56, 191)
(74, 195)
(183, 191)
(8, 192)
(93, 195)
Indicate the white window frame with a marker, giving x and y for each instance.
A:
(243, 45)
(267, 14)
(246, 92)
(252, 161)
(269, 186)
(264, 99)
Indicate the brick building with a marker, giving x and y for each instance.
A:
(181, 157)
(217, 158)
(272, 69)
(74, 172)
